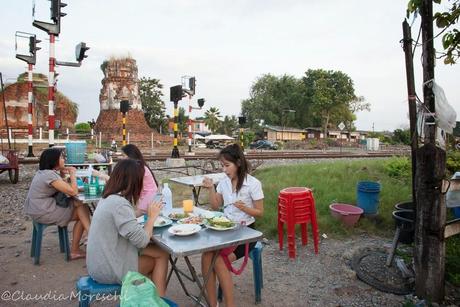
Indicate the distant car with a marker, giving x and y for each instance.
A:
(213, 144)
(200, 145)
(263, 144)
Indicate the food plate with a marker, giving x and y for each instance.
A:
(162, 221)
(175, 216)
(184, 229)
(198, 220)
(220, 223)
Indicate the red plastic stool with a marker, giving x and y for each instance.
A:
(296, 206)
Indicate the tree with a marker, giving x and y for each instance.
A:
(329, 91)
(401, 136)
(445, 20)
(270, 95)
(228, 125)
(212, 119)
(153, 106)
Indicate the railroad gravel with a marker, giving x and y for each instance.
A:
(325, 279)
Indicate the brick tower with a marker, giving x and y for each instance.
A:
(121, 83)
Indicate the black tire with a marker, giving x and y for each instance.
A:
(13, 177)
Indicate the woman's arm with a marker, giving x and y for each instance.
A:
(257, 211)
(215, 199)
(100, 175)
(67, 188)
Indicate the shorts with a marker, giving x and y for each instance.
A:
(239, 251)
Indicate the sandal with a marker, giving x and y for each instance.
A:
(75, 256)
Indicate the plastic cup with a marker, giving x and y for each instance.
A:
(187, 205)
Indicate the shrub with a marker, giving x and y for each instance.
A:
(82, 128)
(398, 168)
(453, 161)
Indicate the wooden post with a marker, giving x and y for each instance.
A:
(407, 44)
(429, 256)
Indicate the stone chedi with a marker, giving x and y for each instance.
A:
(121, 83)
(16, 100)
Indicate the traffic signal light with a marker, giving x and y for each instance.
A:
(33, 41)
(80, 50)
(201, 102)
(242, 120)
(56, 13)
(175, 93)
(191, 85)
(124, 106)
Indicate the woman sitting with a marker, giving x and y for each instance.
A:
(243, 199)
(41, 204)
(117, 243)
(150, 183)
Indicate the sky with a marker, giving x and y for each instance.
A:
(227, 45)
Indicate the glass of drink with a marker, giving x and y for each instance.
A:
(187, 205)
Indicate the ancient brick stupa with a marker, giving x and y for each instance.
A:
(121, 83)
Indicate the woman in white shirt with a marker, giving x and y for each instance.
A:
(242, 197)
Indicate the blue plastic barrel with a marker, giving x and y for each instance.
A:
(75, 152)
(368, 193)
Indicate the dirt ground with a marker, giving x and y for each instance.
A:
(325, 279)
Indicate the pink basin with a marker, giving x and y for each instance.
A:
(348, 214)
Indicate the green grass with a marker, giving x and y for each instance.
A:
(331, 182)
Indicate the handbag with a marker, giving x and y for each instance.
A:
(62, 200)
(139, 291)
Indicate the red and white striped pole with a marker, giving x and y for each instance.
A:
(51, 89)
(29, 110)
(190, 124)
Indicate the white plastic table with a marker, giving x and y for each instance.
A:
(196, 182)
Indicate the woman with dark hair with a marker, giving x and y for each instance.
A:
(41, 205)
(150, 185)
(117, 243)
(243, 199)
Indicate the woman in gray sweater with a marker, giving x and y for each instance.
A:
(117, 243)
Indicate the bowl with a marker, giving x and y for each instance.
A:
(347, 214)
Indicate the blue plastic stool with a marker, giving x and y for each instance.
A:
(257, 272)
(37, 235)
(88, 289)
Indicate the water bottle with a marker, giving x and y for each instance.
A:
(167, 198)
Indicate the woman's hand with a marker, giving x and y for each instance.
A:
(154, 209)
(70, 170)
(240, 205)
(207, 183)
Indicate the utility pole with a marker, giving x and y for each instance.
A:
(407, 46)
(429, 255)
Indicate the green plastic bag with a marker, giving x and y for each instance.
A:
(139, 291)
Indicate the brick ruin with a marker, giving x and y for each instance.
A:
(16, 100)
(121, 82)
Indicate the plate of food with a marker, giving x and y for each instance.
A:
(184, 229)
(198, 220)
(162, 221)
(220, 223)
(175, 216)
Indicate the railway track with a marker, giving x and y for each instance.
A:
(265, 155)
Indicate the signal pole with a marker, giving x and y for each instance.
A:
(30, 60)
(176, 95)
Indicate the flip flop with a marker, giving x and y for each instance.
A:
(75, 256)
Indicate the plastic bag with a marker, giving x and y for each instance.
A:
(445, 114)
(3, 160)
(139, 291)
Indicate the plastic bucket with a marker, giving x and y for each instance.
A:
(348, 214)
(405, 220)
(405, 205)
(368, 194)
(75, 152)
(456, 212)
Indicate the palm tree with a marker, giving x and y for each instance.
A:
(212, 118)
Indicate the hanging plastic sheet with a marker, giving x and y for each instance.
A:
(445, 114)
